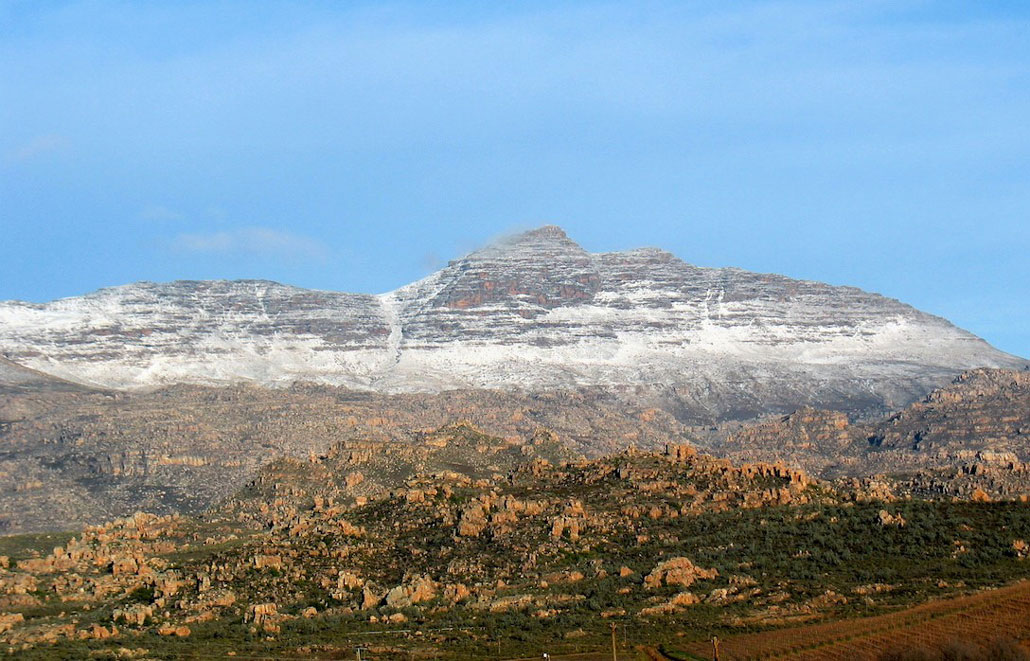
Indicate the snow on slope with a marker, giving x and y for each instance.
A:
(534, 312)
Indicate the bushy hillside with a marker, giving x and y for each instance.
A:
(672, 546)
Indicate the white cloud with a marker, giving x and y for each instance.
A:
(252, 241)
(37, 147)
(159, 213)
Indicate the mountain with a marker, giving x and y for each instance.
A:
(71, 459)
(981, 411)
(971, 435)
(17, 379)
(24, 393)
(534, 312)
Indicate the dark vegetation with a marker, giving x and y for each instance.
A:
(793, 554)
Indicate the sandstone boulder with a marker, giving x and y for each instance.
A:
(677, 571)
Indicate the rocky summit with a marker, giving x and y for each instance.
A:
(534, 312)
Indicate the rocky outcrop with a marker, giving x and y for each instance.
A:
(982, 411)
(80, 458)
(417, 591)
(967, 435)
(505, 538)
(679, 572)
(631, 538)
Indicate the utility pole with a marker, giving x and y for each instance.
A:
(614, 658)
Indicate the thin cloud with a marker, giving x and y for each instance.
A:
(38, 147)
(260, 241)
(158, 213)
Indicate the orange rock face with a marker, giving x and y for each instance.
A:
(677, 571)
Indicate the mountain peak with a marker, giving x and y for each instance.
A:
(545, 233)
(546, 239)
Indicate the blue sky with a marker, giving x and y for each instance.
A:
(357, 147)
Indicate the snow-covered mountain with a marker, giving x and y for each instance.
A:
(533, 312)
